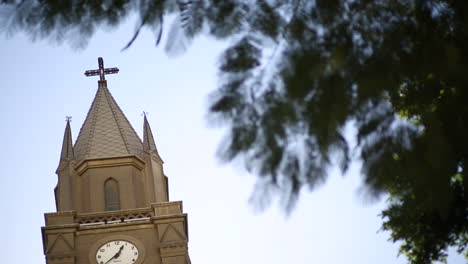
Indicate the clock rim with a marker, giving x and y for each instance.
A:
(95, 247)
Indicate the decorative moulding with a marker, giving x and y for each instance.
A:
(110, 162)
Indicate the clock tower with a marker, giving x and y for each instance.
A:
(112, 195)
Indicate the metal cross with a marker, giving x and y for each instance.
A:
(101, 71)
(68, 118)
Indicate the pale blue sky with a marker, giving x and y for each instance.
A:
(41, 83)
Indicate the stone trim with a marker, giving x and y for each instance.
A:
(132, 160)
(157, 212)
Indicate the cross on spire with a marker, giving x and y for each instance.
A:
(101, 71)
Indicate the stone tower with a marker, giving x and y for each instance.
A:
(112, 196)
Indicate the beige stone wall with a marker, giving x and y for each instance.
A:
(130, 181)
(81, 187)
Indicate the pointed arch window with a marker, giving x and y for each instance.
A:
(112, 195)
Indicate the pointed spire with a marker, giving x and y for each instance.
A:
(67, 153)
(67, 146)
(148, 139)
(106, 132)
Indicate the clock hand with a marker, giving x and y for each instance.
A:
(120, 250)
(110, 259)
(116, 255)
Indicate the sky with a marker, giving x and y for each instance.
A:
(42, 82)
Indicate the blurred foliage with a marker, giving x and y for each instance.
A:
(298, 72)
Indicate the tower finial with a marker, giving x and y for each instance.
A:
(101, 71)
(68, 118)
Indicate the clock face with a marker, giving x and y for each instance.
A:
(117, 251)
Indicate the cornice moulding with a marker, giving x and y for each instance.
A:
(132, 160)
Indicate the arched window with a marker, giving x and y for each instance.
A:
(112, 195)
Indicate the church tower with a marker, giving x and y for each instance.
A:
(112, 196)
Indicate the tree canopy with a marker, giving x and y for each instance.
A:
(298, 72)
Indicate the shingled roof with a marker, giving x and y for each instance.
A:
(106, 132)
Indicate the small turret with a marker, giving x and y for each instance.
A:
(63, 190)
(148, 141)
(154, 165)
(67, 153)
